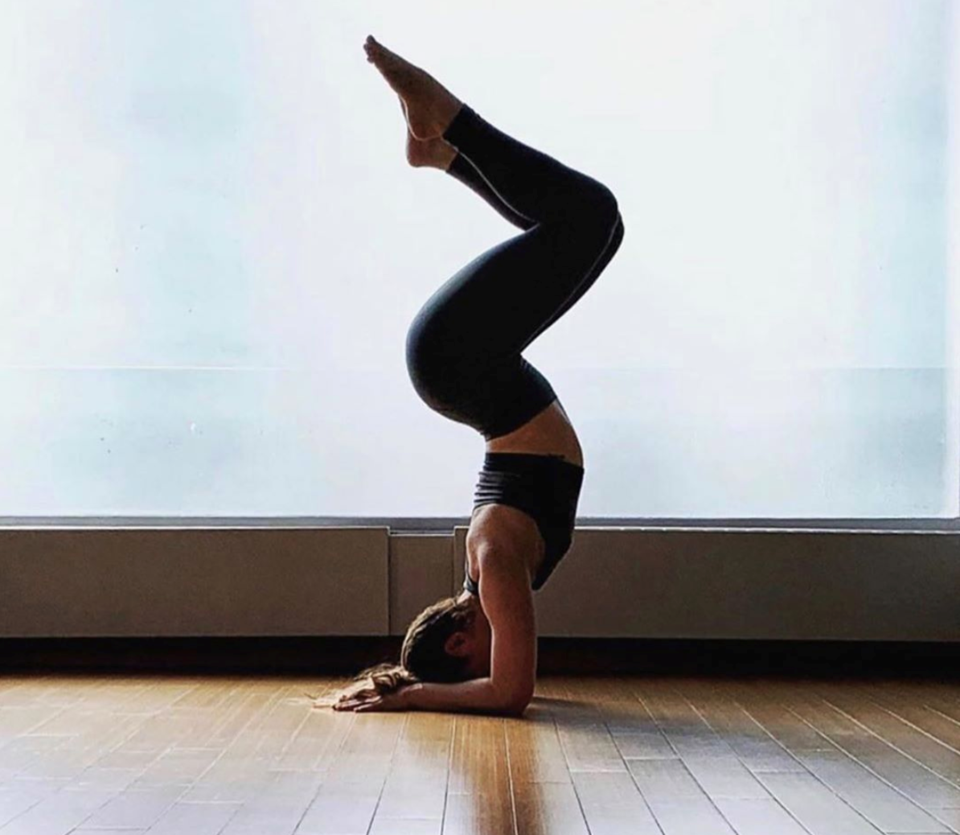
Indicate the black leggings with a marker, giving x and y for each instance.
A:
(464, 346)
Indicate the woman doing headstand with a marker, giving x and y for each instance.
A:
(477, 651)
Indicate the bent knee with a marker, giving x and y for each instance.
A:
(598, 214)
(605, 209)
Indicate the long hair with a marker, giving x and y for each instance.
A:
(422, 656)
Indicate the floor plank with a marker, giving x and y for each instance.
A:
(645, 755)
(850, 779)
(815, 806)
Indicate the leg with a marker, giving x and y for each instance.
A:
(466, 172)
(538, 184)
(533, 184)
(524, 282)
(464, 347)
(608, 252)
(436, 153)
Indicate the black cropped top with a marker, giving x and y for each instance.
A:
(546, 487)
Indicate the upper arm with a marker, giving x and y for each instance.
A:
(507, 601)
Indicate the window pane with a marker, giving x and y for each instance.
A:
(213, 248)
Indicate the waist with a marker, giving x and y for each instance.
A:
(529, 462)
(546, 488)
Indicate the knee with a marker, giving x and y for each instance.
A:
(600, 214)
(605, 209)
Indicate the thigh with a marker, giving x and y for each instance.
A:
(587, 281)
(497, 304)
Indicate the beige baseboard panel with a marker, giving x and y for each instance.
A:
(421, 572)
(193, 582)
(751, 584)
(362, 581)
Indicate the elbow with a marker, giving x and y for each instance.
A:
(517, 703)
(515, 710)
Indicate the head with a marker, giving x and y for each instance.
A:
(448, 641)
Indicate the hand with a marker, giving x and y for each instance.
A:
(368, 700)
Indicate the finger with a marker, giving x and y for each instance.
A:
(361, 692)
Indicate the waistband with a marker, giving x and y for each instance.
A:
(529, 461)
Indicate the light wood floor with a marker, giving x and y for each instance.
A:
(691, 756)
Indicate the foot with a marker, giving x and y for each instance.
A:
(429, 153)
(428, 105)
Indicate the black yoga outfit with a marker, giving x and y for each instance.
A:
(464, 347)
(544, 486)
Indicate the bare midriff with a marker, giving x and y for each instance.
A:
(547, 433)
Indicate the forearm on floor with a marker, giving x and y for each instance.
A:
(476, 695)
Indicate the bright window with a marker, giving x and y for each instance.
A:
(212, 249)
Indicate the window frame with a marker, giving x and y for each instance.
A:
(444, 524)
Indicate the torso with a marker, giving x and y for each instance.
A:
(499, 522)
(548, 433)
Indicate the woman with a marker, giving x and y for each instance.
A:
(477, 651)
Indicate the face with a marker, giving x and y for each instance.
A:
(473, 643)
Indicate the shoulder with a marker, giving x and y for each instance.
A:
(502, 532)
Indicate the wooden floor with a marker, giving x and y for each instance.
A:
(681, 756)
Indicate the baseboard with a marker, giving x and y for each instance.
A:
(643, 583)
(596, 656)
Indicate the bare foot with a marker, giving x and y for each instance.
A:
(428, 105)
(429, 153)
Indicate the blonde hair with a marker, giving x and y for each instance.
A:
(423, 656)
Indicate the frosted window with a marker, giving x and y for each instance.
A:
(212, 248)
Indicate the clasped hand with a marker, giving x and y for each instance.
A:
(368, 700)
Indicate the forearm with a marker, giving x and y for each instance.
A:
(476, 695)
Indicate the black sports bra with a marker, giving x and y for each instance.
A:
(546, 487)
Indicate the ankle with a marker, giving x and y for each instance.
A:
(446, 158)
(451, 108)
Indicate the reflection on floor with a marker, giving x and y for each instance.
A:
(217, 755)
